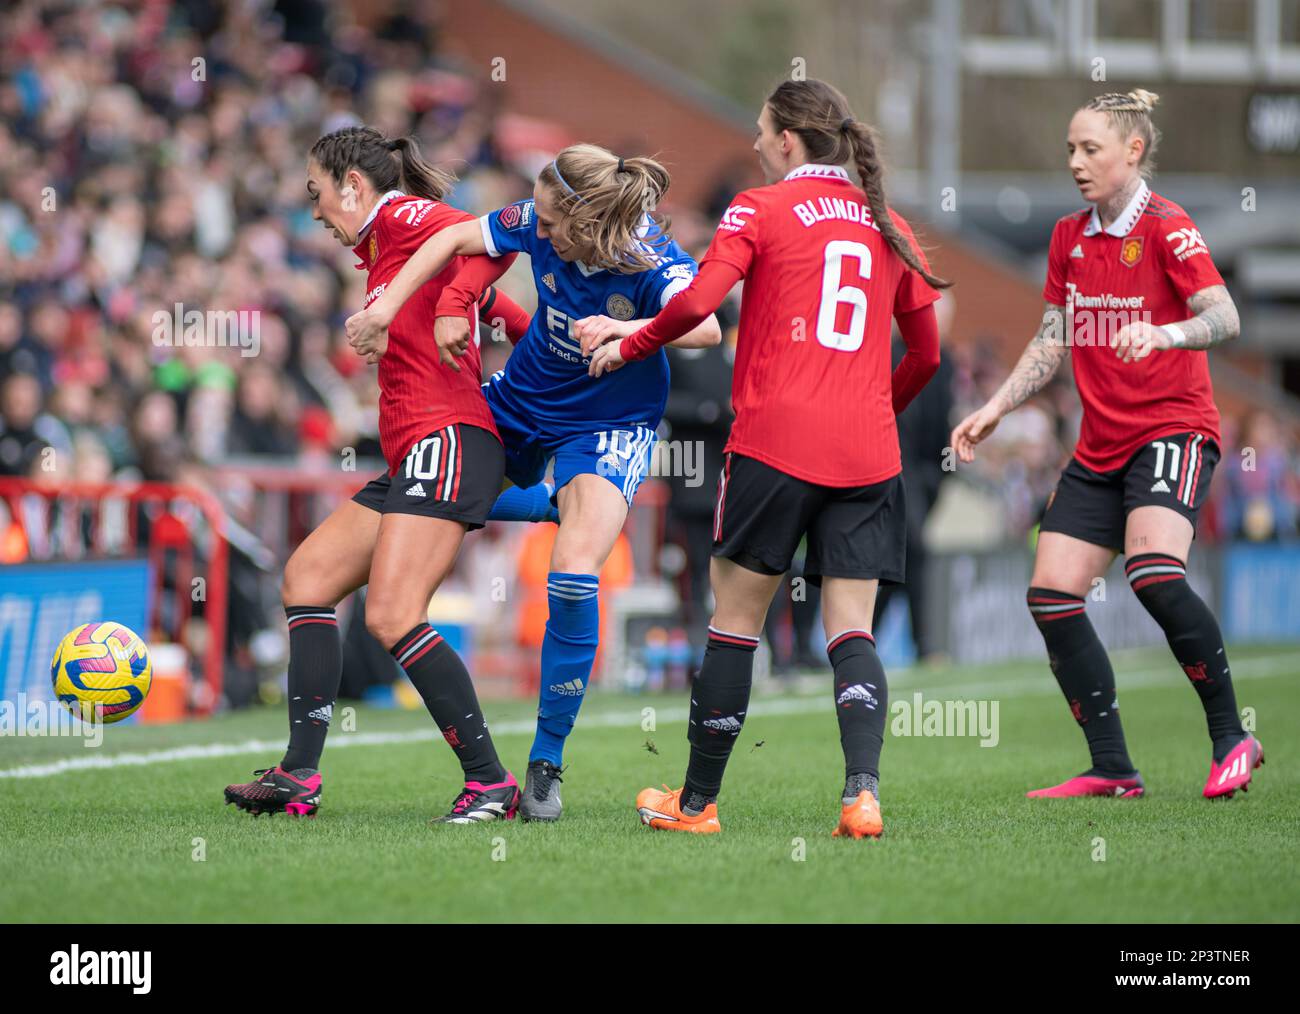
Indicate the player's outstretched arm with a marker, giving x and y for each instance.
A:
(684, 313)
(368, 330)
(1038, 364)
(462, 303)
(593, 332)
(704, 336)
(435, 253)
(464, 294)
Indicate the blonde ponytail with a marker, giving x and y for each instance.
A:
(605, 201)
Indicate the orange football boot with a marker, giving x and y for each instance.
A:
(860, 818)
(663, 811)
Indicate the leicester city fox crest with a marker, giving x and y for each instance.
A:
(619, 307)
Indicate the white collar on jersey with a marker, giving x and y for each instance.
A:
(1122, 225)
(814, 169)
(365, 228)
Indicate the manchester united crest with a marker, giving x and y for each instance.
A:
(619, 307)
(374, 249)
(1130, 251)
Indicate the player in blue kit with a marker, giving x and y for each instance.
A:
(603, 265)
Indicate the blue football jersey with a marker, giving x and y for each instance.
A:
(546, 374)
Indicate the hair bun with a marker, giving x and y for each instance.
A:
(1147, 100)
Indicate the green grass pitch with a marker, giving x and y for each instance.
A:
(120, 842)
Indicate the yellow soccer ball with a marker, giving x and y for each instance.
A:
(101, 671)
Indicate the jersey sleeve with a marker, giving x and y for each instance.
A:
(511, 229)
(1054, 287)
(664, 282)
(1186, 258)
(913, 291)
(739, 233)
(471, 282)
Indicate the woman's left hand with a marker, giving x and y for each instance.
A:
(607, 358)
(592, 332)
(1138, 340)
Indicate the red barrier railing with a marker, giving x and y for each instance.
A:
(102, 520)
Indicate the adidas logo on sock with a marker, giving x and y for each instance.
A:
(857, 692)
(573, 688)
(322, 714)
(417, 490)
(728, 724)
(1160, 487)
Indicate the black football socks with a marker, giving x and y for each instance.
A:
(861, 703)
(440, 676)
(719, 700)
(315, 668)
(1082, 668)
(1160, 583)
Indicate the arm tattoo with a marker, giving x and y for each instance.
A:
(1039, 362)
(1216, 318)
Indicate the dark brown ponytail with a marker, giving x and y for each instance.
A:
(389, 163)
(819, 114)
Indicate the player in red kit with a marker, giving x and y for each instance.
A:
(401, 533)
(814, 449)
(1123, 275)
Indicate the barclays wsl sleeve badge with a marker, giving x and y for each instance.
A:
(619, 307)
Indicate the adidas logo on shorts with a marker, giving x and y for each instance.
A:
(857, 692)
(573, 688)
(728, 724)
(417, 490)
(1160, 487)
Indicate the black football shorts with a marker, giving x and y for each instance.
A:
(453, 473)
(1172, 472)
(762, 514)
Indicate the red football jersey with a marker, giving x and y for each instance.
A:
(417, 393)
(811, 388)
(1144, 266)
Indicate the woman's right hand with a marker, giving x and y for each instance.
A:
(974, 428)
(452, 336)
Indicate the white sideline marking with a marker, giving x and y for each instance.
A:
(1262, 667)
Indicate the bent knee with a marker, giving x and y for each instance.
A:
(301, 586)
(388, 623)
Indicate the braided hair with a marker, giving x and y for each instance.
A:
(1129, 113)
(820, 115)
(389, 163)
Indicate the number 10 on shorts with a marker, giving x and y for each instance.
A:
(422, 460)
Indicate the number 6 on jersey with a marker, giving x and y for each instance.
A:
(834, 294)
